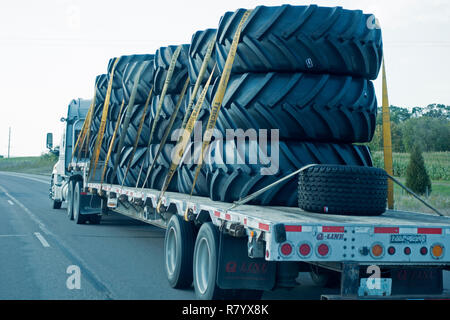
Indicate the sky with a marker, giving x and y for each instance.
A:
(51, 51)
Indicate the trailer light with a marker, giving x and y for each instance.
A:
(377, 250)
(437, 251)
(323, 249)
(407, 251)
(304, 249)
(391, 250)
(423, 251)
(286, 249)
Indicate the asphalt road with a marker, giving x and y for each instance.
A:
(119, 259)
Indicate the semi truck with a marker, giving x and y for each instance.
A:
(238, 252)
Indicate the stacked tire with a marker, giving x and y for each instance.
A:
(305, 71)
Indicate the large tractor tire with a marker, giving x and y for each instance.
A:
(303, 39)
(302, 106)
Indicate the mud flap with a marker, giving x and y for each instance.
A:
(90, 204)
(237, 271)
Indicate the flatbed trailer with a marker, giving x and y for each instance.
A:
(396, 255)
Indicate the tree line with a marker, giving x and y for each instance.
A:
(426, 127)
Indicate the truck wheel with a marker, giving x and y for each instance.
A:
(343, 190)
(324, 277)
(205, 264)
(70, 200)
(77, 216)
(95, 218)
(55, 203)
(178, 252)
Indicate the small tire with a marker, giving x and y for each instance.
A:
(343, 190)
(206, 264)
(70, 200)
(178, 252)
(77, 216)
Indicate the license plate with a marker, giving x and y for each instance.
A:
(375, 287)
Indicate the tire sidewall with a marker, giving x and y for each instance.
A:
(210, 234)
(70, 200)
(78, 217)
(181, 277)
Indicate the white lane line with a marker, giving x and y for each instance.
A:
(12, 235)
(10, 202)
(42, 239)
(30, 214)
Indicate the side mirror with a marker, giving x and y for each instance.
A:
(49, 141)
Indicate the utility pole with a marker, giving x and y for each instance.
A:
(9, 141)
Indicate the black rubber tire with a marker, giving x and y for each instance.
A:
(186, 172)
(56, 204)
(231, 182)
(325, 278)
(302, 38)
(197, 51)
(70, 188)
(121, 65)
(343, 190)
(208, 235)
(182, 233)
(168, 108)
(145, 82)
(95, 218)
(77, 216)
(133, 127)
(303, 107)
(162, 60)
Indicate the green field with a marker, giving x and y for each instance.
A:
(438, 168)
(36, 165)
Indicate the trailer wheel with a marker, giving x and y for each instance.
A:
(70, 200)
(178, 252)
(324, 277)
(95, 218)
(77, 216)
(205, 264)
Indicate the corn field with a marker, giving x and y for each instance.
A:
(436, 163)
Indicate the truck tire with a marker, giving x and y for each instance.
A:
(178, 252)
(325, 278)
(77, 216)
(343, 190)
(303, 38)
(197, 51)
(206, 253)
(55, 203)
(162, 61)
(95, 218)
(70, 188)
(231, 182)
(302, 106)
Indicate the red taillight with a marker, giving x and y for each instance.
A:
(304, 249)
(286, 249)
(391, 250)
(423, 251)
(323, 250)
(407, 251)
